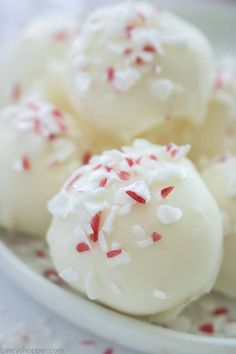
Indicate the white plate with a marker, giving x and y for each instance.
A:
(27, 263)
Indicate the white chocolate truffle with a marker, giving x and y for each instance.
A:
(135, 64)
(137, 230)
(35, 61)
(40, 147)
(221, 180)
(218, 133)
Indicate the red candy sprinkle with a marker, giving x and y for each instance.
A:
(86, 158)
(97, 167)
(128, 29)
(155, 237)
(113, 253)
(130, 161)
(16, 92)
(62, 36)
(26, 163)
(108, 168)
(82, 247)
(103, 182)
(139, 61)
(108, 351)
(53, 276)
(149, 48)
(153, 157)
(128, 51)
(166, 191)
(95, 223)
(88, 342)
(110, 74)
(123, 175)
(220, 311)
(136, 197)
(207, 328)
(40, 254)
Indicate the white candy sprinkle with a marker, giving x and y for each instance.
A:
(83, 82)
(122, 258)
(138, 232)
(102, 241)
(18, 166)
(145, 243)
(168, 214)
(109, 222)
(59, 204)
(160, 294)
(125, 79)
(91, 286)
(80, 236)
(69, 275)
(161, 89)
(124, 210)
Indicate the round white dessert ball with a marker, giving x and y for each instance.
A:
(217, 134)
(134, 65)
(220, 177)
(137, 230)
(40, 147)
(35, 61)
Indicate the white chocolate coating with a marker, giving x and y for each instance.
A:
(134, 65)
(137, 230)
(35, 61)
(221, 180)
(217, 134)
(40, 147)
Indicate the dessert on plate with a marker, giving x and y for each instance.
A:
(40, 145)
(136, 228)
(132, 226)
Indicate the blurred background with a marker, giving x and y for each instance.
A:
(215, 17)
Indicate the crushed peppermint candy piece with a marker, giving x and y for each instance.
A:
(95, 224)
(69, 275)
(82, 247)
(164, 192)
(83, 82)
(162, 89)
(139, 232)
(91, 286)
(160, 294)
(139, 192)
(23, 164)
(156, 236)
(168, 214)
(102, 241)
(207, 328)
(109, 222)
(125, 79)
(117, 257)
